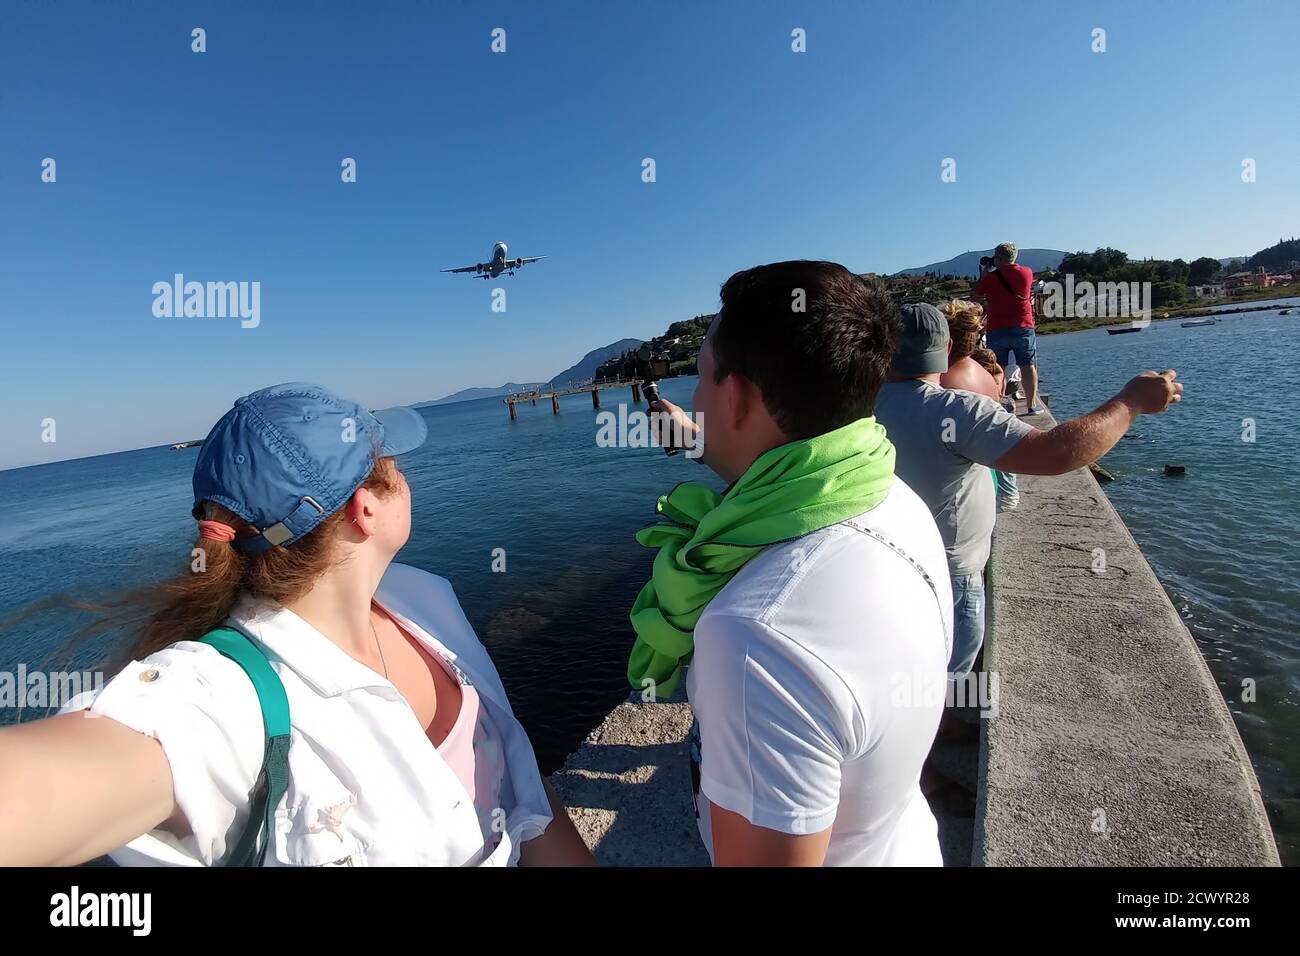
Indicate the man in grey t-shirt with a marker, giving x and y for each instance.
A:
(951, 474)
(947, 440)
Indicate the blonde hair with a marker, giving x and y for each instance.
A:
(965, 327)
(989, 361)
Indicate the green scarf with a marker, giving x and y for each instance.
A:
(788, 492)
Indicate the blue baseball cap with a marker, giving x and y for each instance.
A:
(287, 457)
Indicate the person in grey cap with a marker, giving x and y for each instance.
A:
(946, 441)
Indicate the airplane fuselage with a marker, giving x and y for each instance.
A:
(498, 263)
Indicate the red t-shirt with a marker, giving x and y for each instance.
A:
(1005, 310)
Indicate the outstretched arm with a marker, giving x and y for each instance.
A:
(1083, 440)
(77, 785)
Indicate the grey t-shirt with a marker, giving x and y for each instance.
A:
(944, 439)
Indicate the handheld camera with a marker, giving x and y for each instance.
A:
(645, 367)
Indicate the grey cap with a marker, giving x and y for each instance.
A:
(923, 345)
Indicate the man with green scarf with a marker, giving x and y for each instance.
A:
(807, 607)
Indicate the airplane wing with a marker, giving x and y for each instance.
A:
(527, 259)
(476, 268)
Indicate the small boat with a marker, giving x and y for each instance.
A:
(1121, 329)
(1285, 312)
(1197, 323)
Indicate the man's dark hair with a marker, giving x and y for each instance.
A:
(820, 368)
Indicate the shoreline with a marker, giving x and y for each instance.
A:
(1055, 327)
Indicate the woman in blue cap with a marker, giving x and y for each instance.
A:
(294, 698)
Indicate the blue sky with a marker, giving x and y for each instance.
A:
(224, 166)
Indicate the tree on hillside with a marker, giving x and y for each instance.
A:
(1167, 294)
(1202, 270)
(1175, 271)
(1102, 264)
(1145, 270)
(1276, 258)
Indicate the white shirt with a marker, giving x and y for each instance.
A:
(818, 682)
(366, 785)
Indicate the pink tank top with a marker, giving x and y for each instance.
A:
(473, 751)
(458, 747)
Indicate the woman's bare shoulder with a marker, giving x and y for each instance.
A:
(970, 376)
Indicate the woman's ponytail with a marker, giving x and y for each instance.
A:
(201, 597)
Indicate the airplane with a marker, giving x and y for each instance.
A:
(497, 264)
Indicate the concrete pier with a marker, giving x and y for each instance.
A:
(628, 787)
(1111, 744)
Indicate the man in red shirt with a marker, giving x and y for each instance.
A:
(1004, 291)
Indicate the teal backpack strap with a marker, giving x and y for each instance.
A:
(273, 779)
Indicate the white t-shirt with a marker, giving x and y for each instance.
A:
(818, 682)
(366, 785)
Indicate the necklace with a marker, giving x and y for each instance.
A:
(380, 646)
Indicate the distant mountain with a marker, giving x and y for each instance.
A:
(586, 368)
(968, 263)
(469, 394)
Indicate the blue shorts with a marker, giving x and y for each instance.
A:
(1021, 341)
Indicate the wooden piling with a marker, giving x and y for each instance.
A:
(513, 416)
(595, 398)
(636, 392)
(555, 403)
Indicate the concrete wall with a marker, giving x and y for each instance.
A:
(1112, 745)
(628, 788)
